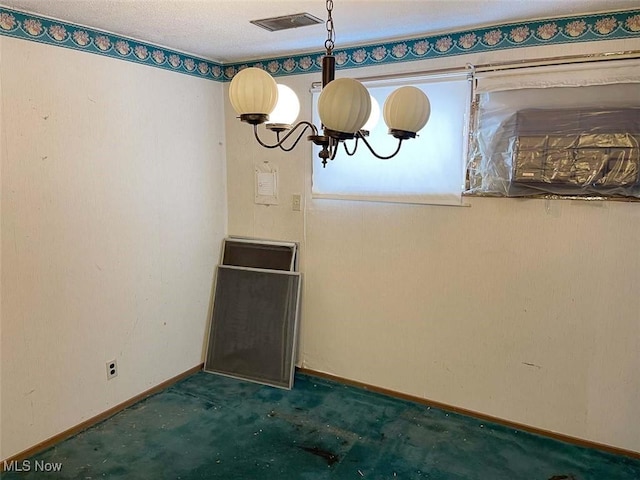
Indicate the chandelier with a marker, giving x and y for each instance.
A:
(344, 107)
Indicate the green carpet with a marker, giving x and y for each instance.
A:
(212, 427)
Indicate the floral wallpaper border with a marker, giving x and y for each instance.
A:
(52, 32)
(585, 28)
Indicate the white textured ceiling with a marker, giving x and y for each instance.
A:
(220, 30)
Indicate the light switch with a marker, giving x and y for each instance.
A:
(295, 202)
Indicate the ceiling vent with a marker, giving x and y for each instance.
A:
(288, 21)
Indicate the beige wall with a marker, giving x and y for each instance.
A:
(113, 208)
(527, 310)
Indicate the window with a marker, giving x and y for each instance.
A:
(563, 129)
(429, 169)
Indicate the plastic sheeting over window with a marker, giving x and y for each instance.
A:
(565, 130)
(429, 169)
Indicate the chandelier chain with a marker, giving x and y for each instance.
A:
(331, 33)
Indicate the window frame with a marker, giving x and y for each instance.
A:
(462, 78)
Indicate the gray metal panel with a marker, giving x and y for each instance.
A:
(254, 325)
(269, 255)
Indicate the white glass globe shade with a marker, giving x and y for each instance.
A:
(407, 109)
(374, 116)
(344, 105)
(287, 108)
(253, 90)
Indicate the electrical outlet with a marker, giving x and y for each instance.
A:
(112, 369)
(296, 202)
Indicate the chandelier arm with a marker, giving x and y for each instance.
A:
(307, 125)
(280, 142)
(333, 143)
(355, 147)
(288, 149)
(381, 157)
